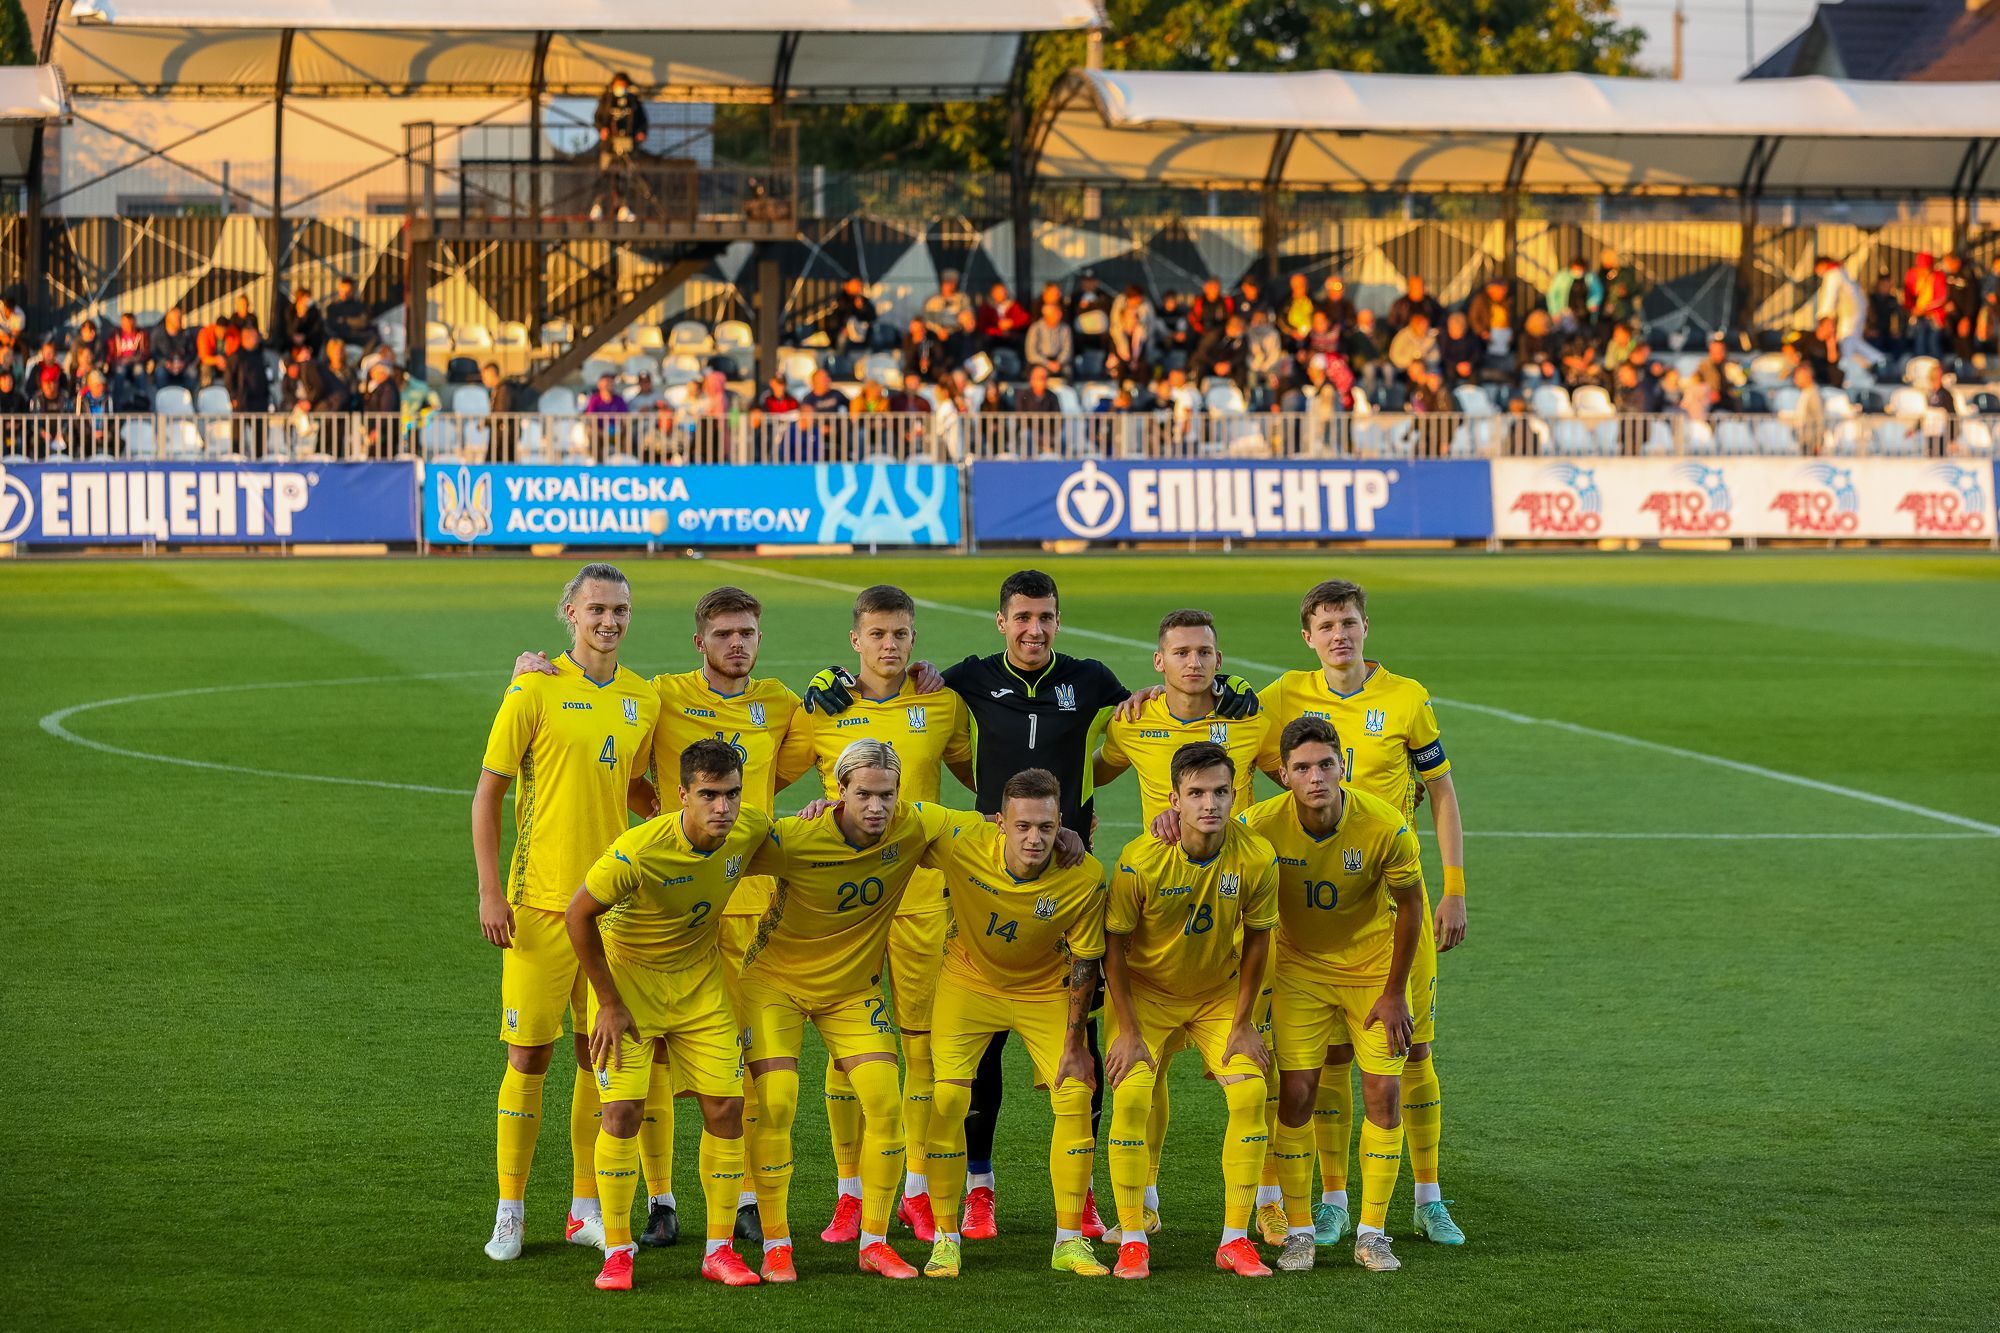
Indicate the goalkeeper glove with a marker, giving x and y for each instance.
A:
(828, 693)
(1234, 698)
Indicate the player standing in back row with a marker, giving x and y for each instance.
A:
(1390, 744)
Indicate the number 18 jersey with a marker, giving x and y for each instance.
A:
(1186, 918)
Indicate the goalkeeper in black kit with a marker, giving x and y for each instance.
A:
(1031, 707)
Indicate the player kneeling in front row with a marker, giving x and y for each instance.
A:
(1022, 957)
(1187, 930)
(644, 928)
(1350, 910)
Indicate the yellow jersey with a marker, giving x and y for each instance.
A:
(574, 744)
(1147, 743)
(823, 935)
(1336, 918)
(758, 720)
(1388, 735)
(927, 732)
(1186, 918)
(1015, 938)
(665, 895)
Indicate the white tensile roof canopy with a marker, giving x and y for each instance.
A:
(1545, 133)
(30, 96)
(833, 50)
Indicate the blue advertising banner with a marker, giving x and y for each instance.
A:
(105, 504)
(888, 504)
(1113, 500)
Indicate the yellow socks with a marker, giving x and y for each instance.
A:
(1156, 1127)
(843, 1123)
(1423, 1118)
(1242, 1149)
(1292, 1150)
(1333, 1125)
(584, 1113)
(778, 1106)
(875, 1086)
(656, 1133)
(1381, 1159)
(1072, 1153)
(617, 1179)
(1269, 1178)
(944, 1161)
(520, 1124)
(917, 1094)
(721, 1182)
(1131, 1109)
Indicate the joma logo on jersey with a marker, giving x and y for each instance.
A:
(576, 703)
(756, 715)
(1231, 882)
(699, 712)
(1045, 908)
(1350, 860)
(1176, 891)
(1291, 860)
(632, 711)
(1375, 721)
(732, 867)
(917, 713)
(1218, 732)
(1066, 698)
(850, 722)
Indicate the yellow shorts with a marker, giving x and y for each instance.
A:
(964, 1021)
(1203, 1021)
(688, 1012)
(539, 979)
(849, 1026)
(916, 957)
(1313, 1014)
(1424, 979)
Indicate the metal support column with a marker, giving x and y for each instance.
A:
(770, 297)
(279, 241)
(35, 253)
(1751, 189)
(1510, 205)
(1268, 227)
(1021, 172)
(538, 83)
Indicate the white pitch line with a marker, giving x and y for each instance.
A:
(1658, 747)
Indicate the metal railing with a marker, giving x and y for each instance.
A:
(671, 439)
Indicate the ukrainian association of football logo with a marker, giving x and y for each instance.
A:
(1231, 882)
(632, 711)
(465, 506)
(1218, 732)
(917, 714)
(1375, 721)
(1350, 860)
(513, 1017)
(756, 715)
(1045, 908)
(732, 867)
(1066, 698)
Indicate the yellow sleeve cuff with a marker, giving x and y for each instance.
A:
(1454, 881)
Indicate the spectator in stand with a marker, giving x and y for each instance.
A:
(1460, 353)
(1176, 337)
(1051, 346)
(1322, 338)
(1581, 364)
(1414, 301)
(1133, 299)
(822, 397)
(47, 359)
(1575, 294)
(1961, 308)
(963, 343)
(1637, 392)
(1002, 321)
(1924, 303)
(347, 318)
(1131, 355)
(1537, 347)
(1318, 397)
(621, 128)
(923, 352)
(1886, 325)
(871, 401)
(241, 317)
(1265, 349)
(1807, 415)
(1427, 392)
(910, 397)
(1990, 310)
(130, 352)
(176, 359)
(384, 396)
(1713, 375)
(82, 360)
(1036, 396)
(1823, 352)
(1490, 316)
(1415, 344)
(777, 401)
(644, 396)
(1210, 311)
(304, 325)
(1224, 352)
(12, 401)
(1840, 299)
(1338, 306)
(322, 387)
(13, 319)
(1089, 314)
(214, 345)
(1940, 420)
(1516, 435)
(945, 305)
(1295, 319)
(1621, 297)
(850, 322)
(605, 400)
(85, 350)
(1367, 350)
(1250, 298)
(49, 398)
(247, 374)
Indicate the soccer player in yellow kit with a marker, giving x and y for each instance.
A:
(1350, 910)
(1182, 712)
(1026, 938)
(1390, 744)
(574, 739)
(1187, 931)
(644, 925)
(718, 700)
(930, 730)
(818, 956)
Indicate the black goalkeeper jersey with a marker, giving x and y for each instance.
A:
(1053, 718)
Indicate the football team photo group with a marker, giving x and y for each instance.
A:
(666, 937)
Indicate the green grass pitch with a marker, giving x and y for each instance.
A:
(1691, 1082)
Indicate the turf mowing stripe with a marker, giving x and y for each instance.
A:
(1755, 770)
